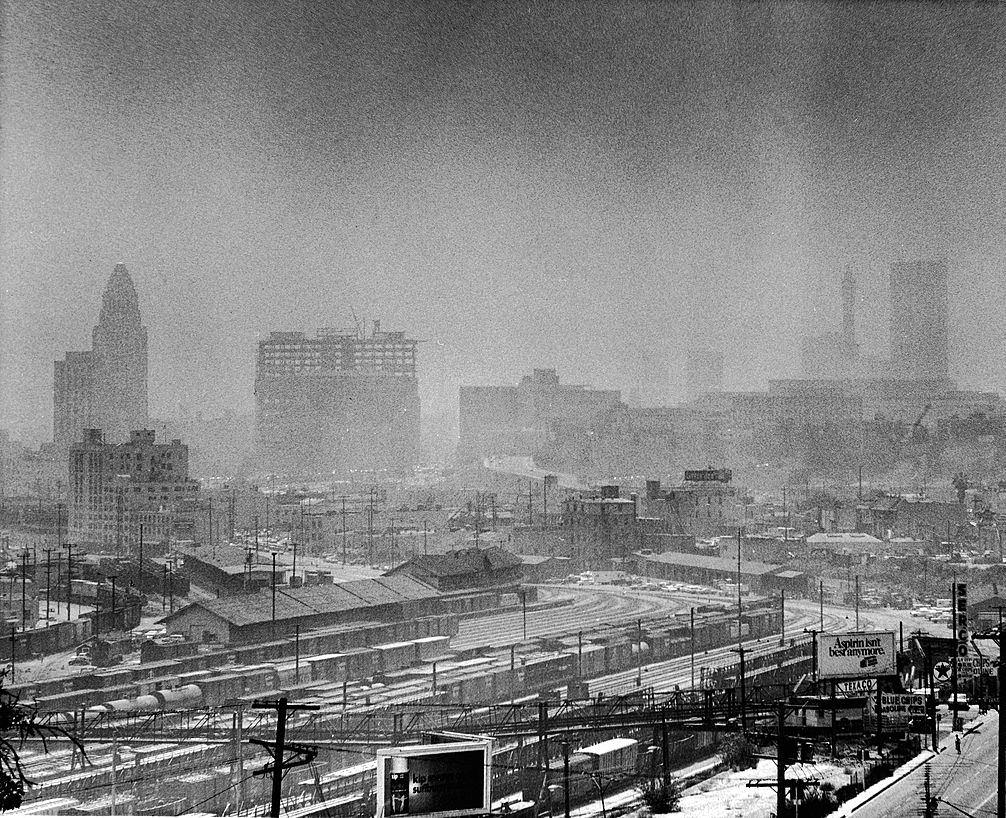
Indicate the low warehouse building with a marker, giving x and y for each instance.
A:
(248, 619)
(760, 577)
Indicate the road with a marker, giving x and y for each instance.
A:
(964, 784)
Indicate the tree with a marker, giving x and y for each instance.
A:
(19, 723)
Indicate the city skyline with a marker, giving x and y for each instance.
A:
(494, 180)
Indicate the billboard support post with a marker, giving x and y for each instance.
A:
(565, 777)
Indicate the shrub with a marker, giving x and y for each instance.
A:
(738, 751)
(660, 798)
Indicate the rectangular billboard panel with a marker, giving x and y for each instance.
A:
(901, 709)
(435, 780)
(855, 655)
(856, 687)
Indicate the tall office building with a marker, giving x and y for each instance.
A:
(336, 402)
(703, 372)
(528, 420)
(117, 487)
(834, 355)
(919, 320)
(105, 387)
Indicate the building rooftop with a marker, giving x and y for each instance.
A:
(464, 562)
(749, 567)
(292, 603)
(843, 538)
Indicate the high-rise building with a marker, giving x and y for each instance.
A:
(703, 372)
(527, 420)
(834, 354)
(919, 320)
(117, 487)
(336, 402)
(105, 387)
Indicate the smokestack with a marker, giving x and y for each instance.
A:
(848, 310)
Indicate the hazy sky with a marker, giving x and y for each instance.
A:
(589, 186)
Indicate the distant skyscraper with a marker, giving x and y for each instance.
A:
(105, 387)
(703, 372)
(919, 320)
(336, 402)
(834, 355)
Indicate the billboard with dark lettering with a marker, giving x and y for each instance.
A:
(859, 655)
(435, 780)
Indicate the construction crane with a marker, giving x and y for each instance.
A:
(915, 433)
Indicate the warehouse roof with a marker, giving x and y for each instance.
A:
(463, 562)
(750, 567)
(844, 538)
(292, 603)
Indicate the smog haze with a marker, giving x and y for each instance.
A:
(589, 187)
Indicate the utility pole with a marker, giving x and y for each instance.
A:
(112, 618)
(639, 651)
(344, 529)
(822, 607)
(544, 507)
(857, 602)
(565, 777)
(691, 629)
(48, 583)
(139, 578)
(930, 807)
(426, 549)
(69, 578)
(273, 583)
(24, 599)
(370, 530)
(744, 718)
(780, 773)
(530, 502)
(280, 747)
(782, 616)
(1001, 750)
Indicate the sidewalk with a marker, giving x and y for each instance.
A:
(853, 804)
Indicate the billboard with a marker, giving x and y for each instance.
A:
(856, 687)
(962, 630)
(435, 780)
(855, 655)
(901, 709)
(708, 476)
(971, 666)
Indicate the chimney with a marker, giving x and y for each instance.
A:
(848, 310)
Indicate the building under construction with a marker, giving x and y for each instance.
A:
(336, 402)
